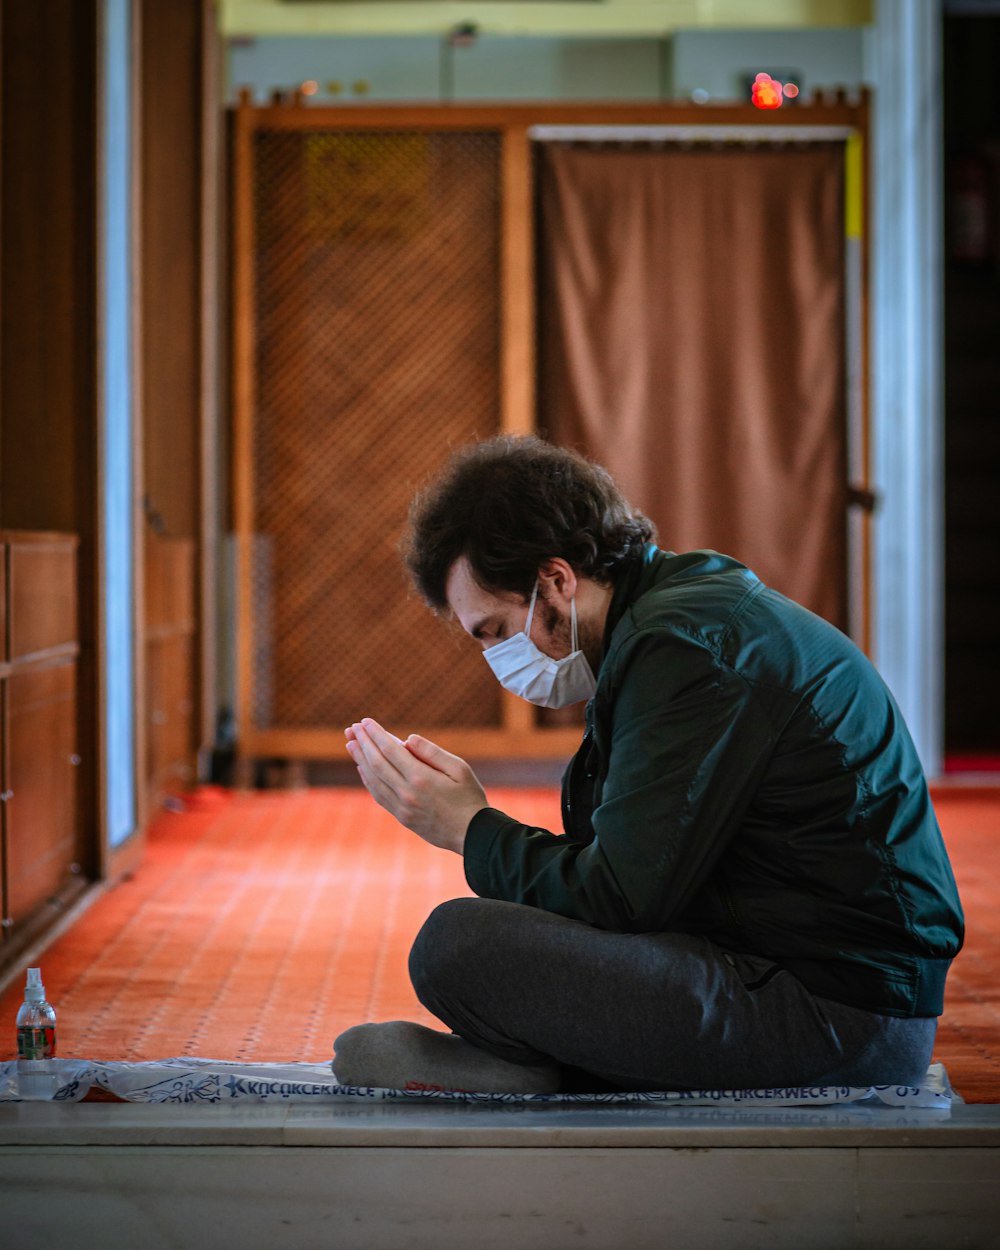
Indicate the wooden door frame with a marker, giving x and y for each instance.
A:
(212, 284)
(519, 735)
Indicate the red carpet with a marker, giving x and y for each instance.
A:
(259, 926)
(968, 1041)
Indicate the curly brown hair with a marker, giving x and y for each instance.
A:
(509, 504)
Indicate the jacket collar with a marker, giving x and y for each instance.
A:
(634, 578)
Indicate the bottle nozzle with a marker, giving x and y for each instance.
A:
(34, 990)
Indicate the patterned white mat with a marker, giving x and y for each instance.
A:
(222, 1081)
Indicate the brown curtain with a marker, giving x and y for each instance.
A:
(691, 338)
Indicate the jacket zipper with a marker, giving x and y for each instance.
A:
(580, 758)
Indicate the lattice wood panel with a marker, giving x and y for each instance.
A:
(376, 329)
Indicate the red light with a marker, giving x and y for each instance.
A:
(790, 90)
(766, 92)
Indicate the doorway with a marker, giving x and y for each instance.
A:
(972, 391)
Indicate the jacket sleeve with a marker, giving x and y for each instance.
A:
(689, 740)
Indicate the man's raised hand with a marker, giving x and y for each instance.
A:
(427, 789)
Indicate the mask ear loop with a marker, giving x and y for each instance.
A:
(531, 610)
(572, 618)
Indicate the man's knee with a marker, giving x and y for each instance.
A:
(448, 937)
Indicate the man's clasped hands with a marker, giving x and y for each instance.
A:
(426, 788)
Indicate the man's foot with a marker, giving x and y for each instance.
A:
(401, 1055)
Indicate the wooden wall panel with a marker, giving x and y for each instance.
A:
(50, 477)
(42, 589)
(176, 324)
(169, 230)
(48, 345)
(48, 321)
(42, 830)
(4, 642)
(43, 839)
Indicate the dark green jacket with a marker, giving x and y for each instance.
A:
(745, 774)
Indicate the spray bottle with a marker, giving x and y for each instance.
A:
(36, 1021)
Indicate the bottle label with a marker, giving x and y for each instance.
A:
(36, 1042)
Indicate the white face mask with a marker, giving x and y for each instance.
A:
(520, 667)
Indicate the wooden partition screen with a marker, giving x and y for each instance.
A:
(384, 312)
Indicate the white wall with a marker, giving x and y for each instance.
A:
(500, 67)
(493, 67)
(718, 62)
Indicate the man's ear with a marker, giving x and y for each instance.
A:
(557, 581)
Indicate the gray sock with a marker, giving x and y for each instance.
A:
(401, 1055)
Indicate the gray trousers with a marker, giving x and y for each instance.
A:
(646, 1011)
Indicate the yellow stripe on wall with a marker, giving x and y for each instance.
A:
(854, 173)
(610, 18)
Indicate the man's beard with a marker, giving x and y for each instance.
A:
(559, 629)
